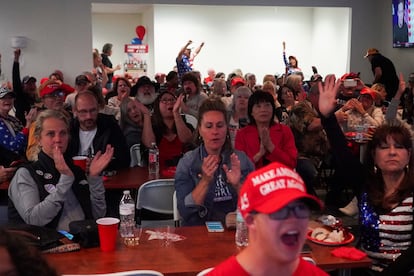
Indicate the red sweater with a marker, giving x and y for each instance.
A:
(285, 152)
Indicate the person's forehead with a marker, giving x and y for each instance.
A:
(167, 96)
(213, 116)
(86, 101)
(53, 123)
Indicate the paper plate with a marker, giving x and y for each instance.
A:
(348, 239)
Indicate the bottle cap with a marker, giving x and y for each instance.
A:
(126, 192)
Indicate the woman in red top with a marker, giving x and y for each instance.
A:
(264, 140)
(167, 128)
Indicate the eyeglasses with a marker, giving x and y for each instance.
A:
(86, 111)
(300, 211)
(167, 101)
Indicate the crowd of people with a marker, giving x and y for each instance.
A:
(219, 133)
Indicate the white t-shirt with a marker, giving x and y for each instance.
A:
(86, 139)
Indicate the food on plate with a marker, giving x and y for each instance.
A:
(320, 233)
(328, 235)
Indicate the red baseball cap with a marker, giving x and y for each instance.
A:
(49, 89)
(369, 91)
(271, 188)
(237, 80)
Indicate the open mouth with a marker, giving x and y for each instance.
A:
(290, 238)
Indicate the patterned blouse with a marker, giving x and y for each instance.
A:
(385, 236)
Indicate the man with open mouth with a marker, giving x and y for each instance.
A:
(276, 208)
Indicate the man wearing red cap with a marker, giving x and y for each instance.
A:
(274, 203)
(362, 111)
(53, 97)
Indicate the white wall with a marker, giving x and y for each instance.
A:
(117, 29)
(250, 38)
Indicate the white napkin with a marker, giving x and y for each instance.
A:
(157, 235)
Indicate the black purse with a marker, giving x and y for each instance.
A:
(48, 240)
(85, 232)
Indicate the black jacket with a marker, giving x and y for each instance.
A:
(108, 132)
(23, 101)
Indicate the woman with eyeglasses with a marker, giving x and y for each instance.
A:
(209, 177)
(167, 128)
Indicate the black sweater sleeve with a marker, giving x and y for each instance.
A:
(344, 157)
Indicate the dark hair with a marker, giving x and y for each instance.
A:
(213, 103)
(158, 124)
(401, 134)
(117, 83)
(279, 93)
(190, 76)
(293, 57)
(219, 74)
(259, 96)
(56, 75)
(26, 258)
(171, 75)
(106, 48)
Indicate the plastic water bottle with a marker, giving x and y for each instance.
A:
(242, 237)
(154, 160)
(127, 215)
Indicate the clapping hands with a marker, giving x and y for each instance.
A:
(100, 161)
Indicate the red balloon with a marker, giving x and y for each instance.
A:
(140, 30)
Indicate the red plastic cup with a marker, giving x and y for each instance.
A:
(80, 161)
(108, 233)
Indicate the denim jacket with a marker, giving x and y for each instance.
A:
(187, 177)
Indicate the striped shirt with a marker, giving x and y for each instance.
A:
(385, 236)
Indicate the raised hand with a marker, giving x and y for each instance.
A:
(17, 53)
(209, 166)
(233, 174)
(31, 116)
(142, 108)
(327, 95)
(401, 86)
(177, 104)
(60, 163)
(100, 161)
